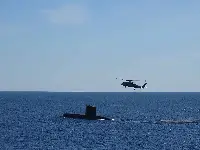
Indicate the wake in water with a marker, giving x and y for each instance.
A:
(162, 121)
(179, 121)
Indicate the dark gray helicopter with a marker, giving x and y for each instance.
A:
(130, 83)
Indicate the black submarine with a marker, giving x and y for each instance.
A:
(90, 114)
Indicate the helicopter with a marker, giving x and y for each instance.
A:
(130, 83)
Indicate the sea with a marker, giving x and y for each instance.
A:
(33, 121)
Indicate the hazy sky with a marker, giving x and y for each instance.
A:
(83, 45)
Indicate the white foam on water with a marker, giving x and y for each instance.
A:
(105, 119)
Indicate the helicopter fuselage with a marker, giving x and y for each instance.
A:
(131, 84)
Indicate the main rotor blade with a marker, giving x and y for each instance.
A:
(119, 78)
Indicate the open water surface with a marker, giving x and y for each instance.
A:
(32, 121)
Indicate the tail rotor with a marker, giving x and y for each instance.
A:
(145, 84)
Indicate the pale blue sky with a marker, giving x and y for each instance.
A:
(84, 45)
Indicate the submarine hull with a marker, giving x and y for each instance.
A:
(90, 114)
(82, 116)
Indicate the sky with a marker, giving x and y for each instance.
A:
(52, 45)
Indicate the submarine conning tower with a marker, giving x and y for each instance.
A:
(90, 112)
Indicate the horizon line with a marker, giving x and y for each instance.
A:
(101, 91)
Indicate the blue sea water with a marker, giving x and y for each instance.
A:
(32, 121)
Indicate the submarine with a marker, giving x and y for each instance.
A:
(90, 114)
